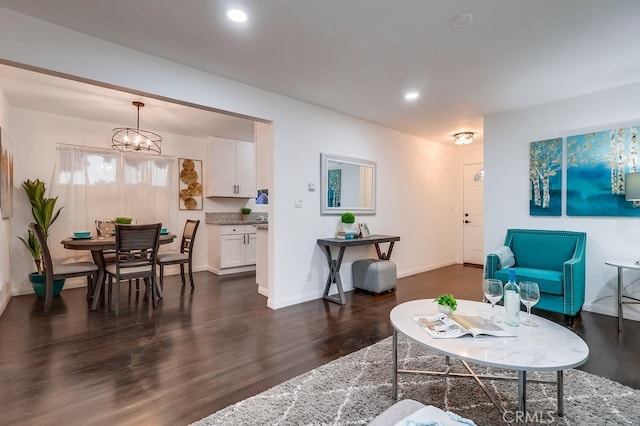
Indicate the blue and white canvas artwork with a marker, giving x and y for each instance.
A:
(334, 192)
(545, 178)
(596, 167)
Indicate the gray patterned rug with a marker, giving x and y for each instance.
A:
(352, 390)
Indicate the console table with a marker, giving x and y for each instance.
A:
(342, 244)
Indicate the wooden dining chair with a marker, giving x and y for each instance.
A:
(63, 270)
(136, 257)
(184, 256)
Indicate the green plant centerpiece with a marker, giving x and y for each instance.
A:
(44, 213)
(446, 303)
(245, 212)
(123, 220)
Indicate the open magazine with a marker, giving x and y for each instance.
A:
(440, 326)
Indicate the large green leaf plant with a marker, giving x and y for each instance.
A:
(43, 210)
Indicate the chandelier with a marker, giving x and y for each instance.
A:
(129, 139)
(463, 138)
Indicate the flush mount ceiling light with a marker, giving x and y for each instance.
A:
(411, 96)
(237, 15)
(463, 138)
(128, 139)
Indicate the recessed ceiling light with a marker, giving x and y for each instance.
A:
(462, 20)
(411, 96)
(237, 15)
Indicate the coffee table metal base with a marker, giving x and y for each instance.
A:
(522, 380)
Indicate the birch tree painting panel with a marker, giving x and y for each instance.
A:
(596, 167)
(545, 178)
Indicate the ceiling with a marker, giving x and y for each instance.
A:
(359, 57)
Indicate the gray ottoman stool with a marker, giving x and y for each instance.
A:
(374, 275)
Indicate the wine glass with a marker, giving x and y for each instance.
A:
(529, 296)
(104, 226)
(493, 291)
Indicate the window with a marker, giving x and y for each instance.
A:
(97, 184)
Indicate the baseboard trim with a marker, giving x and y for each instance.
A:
(426, 268)
(629, 312)
(227, 271)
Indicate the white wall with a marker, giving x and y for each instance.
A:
(6, 236)
(506, 152)
(417, 180)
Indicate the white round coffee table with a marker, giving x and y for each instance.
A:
(548, 347)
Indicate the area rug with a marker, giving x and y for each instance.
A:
(354, 389)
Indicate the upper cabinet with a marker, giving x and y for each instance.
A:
(232, 170)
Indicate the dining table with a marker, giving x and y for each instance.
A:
(98, 245)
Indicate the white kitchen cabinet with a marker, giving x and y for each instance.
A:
(232, 169)
(232, 248)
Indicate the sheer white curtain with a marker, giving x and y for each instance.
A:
(149, 189)
(94, 183)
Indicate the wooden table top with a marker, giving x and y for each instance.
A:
(95, 243)
(373, 239)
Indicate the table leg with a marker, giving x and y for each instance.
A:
(381, 255)
(522, 392)
(334, 277)
(560, 391)
(395, 365)
(620, 312)
(98, 259)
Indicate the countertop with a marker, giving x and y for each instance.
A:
(238, 222)
(227, 218)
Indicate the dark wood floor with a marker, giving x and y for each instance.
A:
(201, 352)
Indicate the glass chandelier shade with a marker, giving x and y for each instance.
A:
(128, 139)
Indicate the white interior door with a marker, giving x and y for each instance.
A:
(473, 223)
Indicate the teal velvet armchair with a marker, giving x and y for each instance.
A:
(553, 259)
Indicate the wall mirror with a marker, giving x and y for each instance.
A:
(347, 184)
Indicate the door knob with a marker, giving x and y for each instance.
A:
(467, 221)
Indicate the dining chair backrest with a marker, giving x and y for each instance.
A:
(189, 236)
(136, 246)
(45, 254)
(62, 271)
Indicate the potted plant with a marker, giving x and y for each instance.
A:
(245, 211)
(347, 220)
(44, 212)
(446, 303)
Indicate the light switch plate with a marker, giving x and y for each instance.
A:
(311, 186)
(297, 203)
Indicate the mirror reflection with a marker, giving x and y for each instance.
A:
(347, 184)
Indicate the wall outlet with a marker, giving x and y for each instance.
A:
(297, 203)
